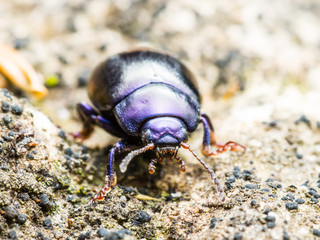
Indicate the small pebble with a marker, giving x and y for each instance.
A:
(231, 179)
(288, 197)
(62, 134)
(267, 211)
(84, 236)
(123, 204)
(83, 78)
(254, 203)
(299, 155)
(292, 206)
(213, 223)
(300, 201)
(141, 217)
(251, 186)
(303, 119)
(6, 119)
(123, 232)
(17, 110)
(270, 217)
(69, 198)
(271, 224)
(5, 107)
(237, 172)
(13, 235)
(68, 151)
(45, 202)
(30, 156)
(285, 236)
(47, 223)
(237, 236)
(314, 200)
(247, 175)
(10, 212)
(22, 218)
(316, 232)
(102, 232)
(24, 196)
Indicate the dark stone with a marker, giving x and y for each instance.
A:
(123, 232)
(5, 107)
(24, 196)
(251, 186)
(237, 236)
(62, 134)
(141, 217)
(13, 235)
(271, 224)
(30, 156)
(10, 212)
(270, 218)
(316, 232)
(84, 236)
(300, 201)
(237, 172)
(68, 151)
(254, 203)
(288, 197)
(213, 223)
(111, 236)
(303, 119)
(6, 119)
(314, 200)
(285, 236)
(102, 232)
(83, 77)
(292, 206)
(45, 203)
(47, 223)
(17, 110)
(22, 218)
(247, 175)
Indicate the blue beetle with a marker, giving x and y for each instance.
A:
(151, 101)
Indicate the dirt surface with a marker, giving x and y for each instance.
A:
(257, 65)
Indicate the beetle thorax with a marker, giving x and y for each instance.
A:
(165, 132)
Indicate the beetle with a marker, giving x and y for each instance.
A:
(151, 101)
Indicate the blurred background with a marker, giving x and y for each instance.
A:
(267, 52)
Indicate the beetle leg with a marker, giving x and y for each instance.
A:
(181, 162)
(213, 176)
(111, 177)
(209, 138)
(90, 117)
(152, 167)
(85, 112)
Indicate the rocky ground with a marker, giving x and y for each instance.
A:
(257, 64)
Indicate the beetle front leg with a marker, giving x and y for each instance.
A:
(90, 117)
(111, 177)
(86, 112)
(210, 139)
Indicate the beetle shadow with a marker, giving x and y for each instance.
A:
(138, 176)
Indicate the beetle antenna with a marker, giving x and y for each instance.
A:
(213, 176)
(125, 162)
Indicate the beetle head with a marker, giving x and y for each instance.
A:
(166, 133)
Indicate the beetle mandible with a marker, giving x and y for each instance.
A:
(150, 100)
